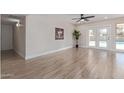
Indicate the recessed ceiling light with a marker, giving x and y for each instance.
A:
(105, 17)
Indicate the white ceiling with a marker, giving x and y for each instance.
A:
(11, 19)
(98, 17)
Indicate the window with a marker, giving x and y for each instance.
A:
(120, 36)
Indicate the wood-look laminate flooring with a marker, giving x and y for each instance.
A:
(72, 63)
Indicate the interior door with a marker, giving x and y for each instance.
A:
(103, 38)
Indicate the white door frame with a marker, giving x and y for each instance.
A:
(96, 29)
(108, 39)
(87, 38)
(117, 50)
(111, 37)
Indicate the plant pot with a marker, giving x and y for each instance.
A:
(76, 46)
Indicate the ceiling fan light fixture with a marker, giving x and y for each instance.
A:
(82, 20)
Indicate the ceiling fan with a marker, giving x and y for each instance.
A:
(83, 18)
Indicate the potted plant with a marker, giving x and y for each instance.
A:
(76, 35)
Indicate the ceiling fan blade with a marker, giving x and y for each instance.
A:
(86, 19)
(78, 20)
(75, 18)
(89, 17)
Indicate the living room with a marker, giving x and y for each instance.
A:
(66, 46)
(37, 37)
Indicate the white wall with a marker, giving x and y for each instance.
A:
(7, 37)
(112, 23)
(40, 34)
(0, 47)
(19, 38)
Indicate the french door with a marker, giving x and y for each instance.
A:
(119, 37)
(92, 38)
(99, 38)
(103, 38)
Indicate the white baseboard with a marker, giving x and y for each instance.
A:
(45, 53)
(19, 53)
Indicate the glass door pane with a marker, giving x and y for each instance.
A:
(120, 37)
(103, 35)
(92, 38)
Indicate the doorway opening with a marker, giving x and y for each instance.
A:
(12, 41)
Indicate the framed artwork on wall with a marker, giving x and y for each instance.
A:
(59, 33)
